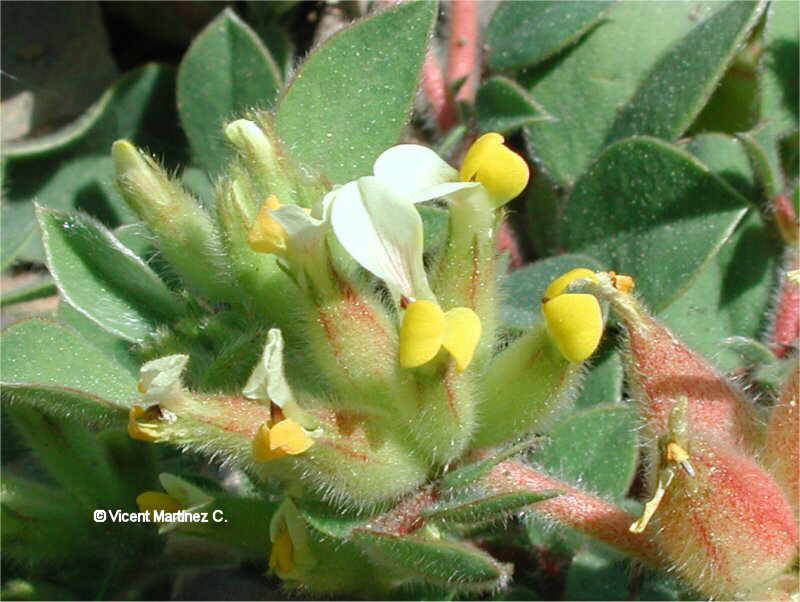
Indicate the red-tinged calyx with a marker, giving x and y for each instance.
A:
(662, 370)
(782, 442)
(727, 528)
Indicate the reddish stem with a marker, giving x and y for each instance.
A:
(577, 509)
(786, 320)
(463, 47)
(507, 241)
(435, 88)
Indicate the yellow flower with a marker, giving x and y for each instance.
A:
(266, 234)
(426, 329)
(501, 171)
(156, 500)
(281, 557)
(284, 438)
(574, 320)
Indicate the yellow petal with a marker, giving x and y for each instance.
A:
(462, 331)
(266, 234)
(289, 437)
(575, 323)
(557, 286)
(155, 500)
(501, 171)
(281, 557)
(138, 431)
(421, 333)
(262, 449)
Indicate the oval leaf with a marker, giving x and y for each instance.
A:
(51, 366)
(525, 33)
(226, 71)
(350, 99)
(648, 209)
(503, 106)
(102, 278)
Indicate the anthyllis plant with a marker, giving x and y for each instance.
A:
(334, 340)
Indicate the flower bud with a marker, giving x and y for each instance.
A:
(525, 387)
(186, 235)
(727, 527)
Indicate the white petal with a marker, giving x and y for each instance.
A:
(382, 231)
(161, 378)
(302, 230)
(441, 190)
(268, 381)
(409, 169)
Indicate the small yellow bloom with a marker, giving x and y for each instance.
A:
(557, 286)
(285, 438)
(139, 430)
(501, 171)
(426, 329)
(266, 234)
(575, 323)
(281, 557)
(156, 500)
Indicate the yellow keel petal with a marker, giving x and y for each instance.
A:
(557, 286)
(281, 557)
(462, 332)
(266, 234)
(575, 323)
(501, 171)
(289, 437)
(421, 333)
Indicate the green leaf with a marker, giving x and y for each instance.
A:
(71, 169)
(603, 384)
(350, 99)
(504, 106)
(435, 227)
(596, 448)
(226, 71)
(103, 279)
(585, 88)
(680, 84)
(779, 89)
(731, 295)
(523, 289)
(594, 575)
(727, 157)
(110, 345)
(525, 33)
(436, 560)
(51, 366)
(18, 230)
(648, 209)
(488, 508)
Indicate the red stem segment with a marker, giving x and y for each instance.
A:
(463, 47)
(576, 509)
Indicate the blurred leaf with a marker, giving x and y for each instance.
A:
(226, 71)
(585, 88)
(603, 384)
(51, 366)
(731, 295)
(435, 226)
(53, 67)
(18, 230)
(594, 575)
(503, 106)
(596, 448)
(351, 97)
(103, 279)
(72, 168)
(525, 33)
(523, 288)
(727, 158)
(42, 287)
(648, 209)
(673, 93)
